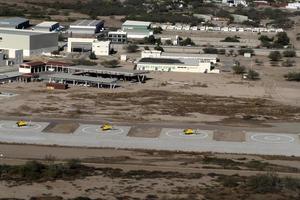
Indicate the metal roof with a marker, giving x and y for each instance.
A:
(166, 61)
(9, 75)
(22, 32)
(136, 23)
(46, 24)
(85, 22)
(69, 77)
(104, 70)
(13, 21)
(160, 60)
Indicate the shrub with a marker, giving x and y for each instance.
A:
(238, 69)
(221, 51)
(292, 76)
(93, 56)
(252, 75)
(159, 48)
(245, 50)
(275, 56)
(131, 48)
(210, 50)
(288, 63)
(265, 183)
(110, 63)
(289, 53)
(231, 39)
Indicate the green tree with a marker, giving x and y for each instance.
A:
(292, 76)
(275, 56)
(282, 39)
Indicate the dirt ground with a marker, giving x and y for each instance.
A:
(232, 136)
(168, 175)
(54, 127)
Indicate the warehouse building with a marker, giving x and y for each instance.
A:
(137, 29)
(47, 26)
(31, 42)
(86, 27)
(15, 23)
(176, 63)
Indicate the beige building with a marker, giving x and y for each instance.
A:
(31, 42)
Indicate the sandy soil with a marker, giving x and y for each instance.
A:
(167, 184)
(232, 136)
(61, 127)
(149, 132)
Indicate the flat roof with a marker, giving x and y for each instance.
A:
(160, 60)
(136, 23)
(13, 21)
(86, 22)
(9, 75)
(46, 24)
(70, 77)
(105, 70)
(189, 55)
(22, 32)
(175, 61)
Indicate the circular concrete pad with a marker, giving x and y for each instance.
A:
(179, 134)
(14, 126)
(272, 138)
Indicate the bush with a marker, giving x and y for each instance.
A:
(265, 183)
(186, 42)
(289, 53)
(288, 63)
(238, 69)
(110, 63)
(275, 56)
(159, 48)
(221, 51)
(245, 50)
(84, 62)
(231, 39)
(252, 75)
(210, 50)
(131, 48)
(93, 56)
(292, 76)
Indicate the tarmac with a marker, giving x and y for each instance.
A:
(173, 139)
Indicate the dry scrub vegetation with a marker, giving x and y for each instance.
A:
(146, 105)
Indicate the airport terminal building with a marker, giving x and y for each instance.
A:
(31, 42)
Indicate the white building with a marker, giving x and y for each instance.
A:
(89, 44)
(11, 57)
(295, 5)
(101, 48)
(169, 62)
(47, 26)
(31, 42)
(137, 29)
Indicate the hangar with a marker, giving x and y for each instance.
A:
(31, 42)
(86, 27)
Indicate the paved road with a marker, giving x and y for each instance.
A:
(89, 135)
